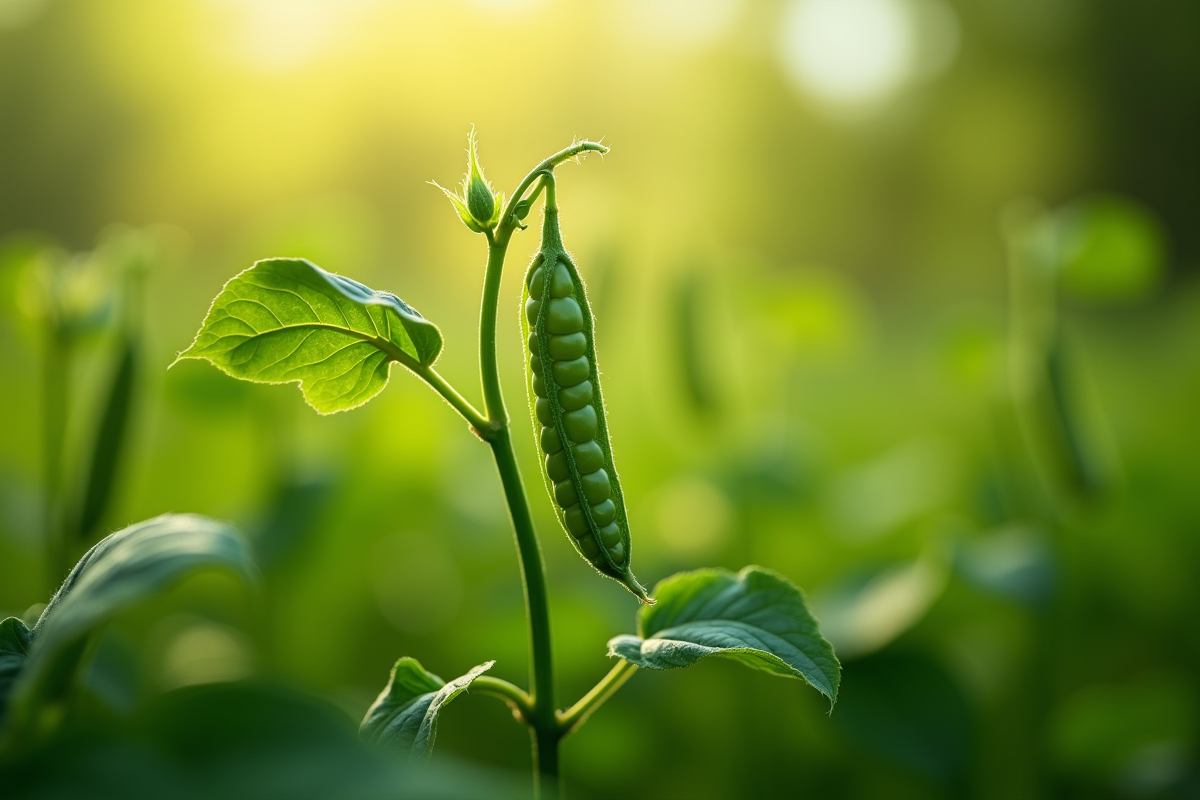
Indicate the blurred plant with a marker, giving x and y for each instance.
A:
(225, 739)
(129, 568)
(690, 297)
(1099, 250)
(77, 300)
(287, 320)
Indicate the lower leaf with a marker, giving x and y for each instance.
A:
(756, 617)
(404, 716)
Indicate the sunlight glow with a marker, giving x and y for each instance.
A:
(855, 53)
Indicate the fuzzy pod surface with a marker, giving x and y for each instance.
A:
(563, 381)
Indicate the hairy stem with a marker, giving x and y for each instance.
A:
(507, 223)
(575, 716)
(541, 717)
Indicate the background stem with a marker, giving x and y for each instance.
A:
(54, 420)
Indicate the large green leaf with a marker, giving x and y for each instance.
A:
(121, 571)
(404, 717)
(286, 320)
(756, 617)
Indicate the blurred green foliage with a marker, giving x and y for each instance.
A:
(816, 359)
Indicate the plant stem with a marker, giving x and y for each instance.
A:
(489, 371)
(515, 696)
(574, 716)
(507, 223)
(54, 419)
(541, 718)
(477, 421)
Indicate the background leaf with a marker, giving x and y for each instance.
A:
(123, 570)
(235, 740)
(404, 717)
(15, 640)
(868, 610)
(287, 320)
(756, 617)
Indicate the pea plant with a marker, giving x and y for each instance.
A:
(286, 320)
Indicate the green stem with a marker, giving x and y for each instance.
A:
(489, 371)
(507, 223)
(516, 697)
(575, 716)
(477, 421)
(541, 718)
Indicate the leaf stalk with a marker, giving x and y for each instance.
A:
(577, 714)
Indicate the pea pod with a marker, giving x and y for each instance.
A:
(568, 410)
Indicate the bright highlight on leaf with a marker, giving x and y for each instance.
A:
(286, 320)
(756, 617)
(404, 716)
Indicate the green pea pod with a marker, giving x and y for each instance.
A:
(568, 410)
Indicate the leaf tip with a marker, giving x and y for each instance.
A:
(182, 355)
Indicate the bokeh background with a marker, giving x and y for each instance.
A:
(897, 297)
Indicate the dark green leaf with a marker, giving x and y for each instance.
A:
(15, 640)
(756, 617)
(286, 320)
(404, 717)
(120, 572)
(241, 741)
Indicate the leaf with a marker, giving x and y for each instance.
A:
(756, 617)
(239, 741)
(870, 609)
(120, 572)
(404, 716)
(286, 320)
(15, 640)
(1113, 249)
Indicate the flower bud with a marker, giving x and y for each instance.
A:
(478, 206)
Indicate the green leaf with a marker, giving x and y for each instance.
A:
(404, 716)
(756, 617)
(1114, 249)
(122, 571)
(15, 640)
(237, 740)
(286, 320)
(869, 609)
